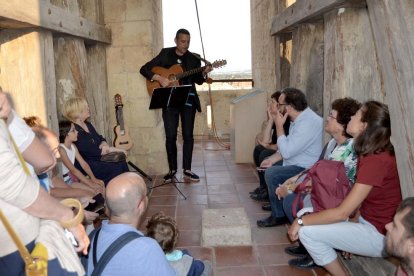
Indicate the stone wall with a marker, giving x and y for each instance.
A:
(137, 37)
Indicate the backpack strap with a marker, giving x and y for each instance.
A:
(111, 251)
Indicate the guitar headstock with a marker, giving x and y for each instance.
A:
(219, 63)
(118, 101)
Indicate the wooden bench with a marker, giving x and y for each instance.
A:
(366, 266)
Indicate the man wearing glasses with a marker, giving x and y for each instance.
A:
(299, 150)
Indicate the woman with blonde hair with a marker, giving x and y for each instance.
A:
(90, 144)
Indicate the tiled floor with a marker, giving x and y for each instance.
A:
(224, 184)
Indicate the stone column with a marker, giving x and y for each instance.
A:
(137, 37)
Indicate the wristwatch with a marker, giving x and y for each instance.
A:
(300, 222)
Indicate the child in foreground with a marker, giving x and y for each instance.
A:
(164, 230)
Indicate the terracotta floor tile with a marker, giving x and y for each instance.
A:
(208, 163)
(240, 271)
(223, 198)
(221, 189)
(269, 236)
(219, 174)
(245, 179)
(321, 272)
(224, 205)
(217, 168)
(165, 190)
(273, 254)
(193, 199)
(190, 210)
(219, 180)
(235, 256)
(189, 238)
(284, 270)
(162, 200)
(167, 210)
(201, 253)
(194, 189)
(189, 223)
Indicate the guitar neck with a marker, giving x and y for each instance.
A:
(190, 72)
(120, 118)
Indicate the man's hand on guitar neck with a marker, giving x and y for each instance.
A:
(163, 81)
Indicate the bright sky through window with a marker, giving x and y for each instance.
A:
(225, 27)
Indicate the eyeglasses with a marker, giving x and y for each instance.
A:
(331, 116)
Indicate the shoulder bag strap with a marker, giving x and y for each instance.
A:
(117, 245)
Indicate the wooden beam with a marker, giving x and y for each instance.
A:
(303, 11)
(40, 13)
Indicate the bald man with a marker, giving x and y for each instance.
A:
(126, 202)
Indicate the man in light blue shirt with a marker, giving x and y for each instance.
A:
(126, 203)
(299, 150)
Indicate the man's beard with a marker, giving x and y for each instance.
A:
(391, 250)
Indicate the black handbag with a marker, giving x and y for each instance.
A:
(113, 157)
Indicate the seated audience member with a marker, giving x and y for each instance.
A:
(90, 144)
(299, 150)
(68, 154)
(339, 148)
(29, 209)
(164, 230)
(376, 193)
(267, 144)
(126, 202)
(51, 180)
(399, 241)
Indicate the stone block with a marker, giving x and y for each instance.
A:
(114, 10)
(223, 227)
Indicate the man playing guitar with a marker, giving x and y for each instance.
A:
(167, 58)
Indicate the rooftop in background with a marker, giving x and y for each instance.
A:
(230, 80)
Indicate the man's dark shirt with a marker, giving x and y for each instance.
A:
(167, 58)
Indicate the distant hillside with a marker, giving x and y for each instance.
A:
(220, 75)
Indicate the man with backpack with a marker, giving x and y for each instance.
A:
(118, 248)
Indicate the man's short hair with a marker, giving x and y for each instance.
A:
(276, 96)
(182, 31)
(408, 219)
(295, 98)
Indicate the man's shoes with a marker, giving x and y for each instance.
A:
(257, 190)
(266, 207)
(271, 221)
(263, 196)
(297, 251)
(189, 175)
(305, 262)
(169, 177)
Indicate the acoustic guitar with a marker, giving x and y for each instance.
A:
(122, 138)
(175, 73)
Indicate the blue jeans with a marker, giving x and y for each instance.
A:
(260, 153)
(171, 117)
(274, 177)
(287, 206)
